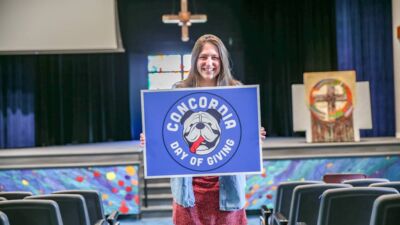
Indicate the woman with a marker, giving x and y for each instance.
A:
(209, 200)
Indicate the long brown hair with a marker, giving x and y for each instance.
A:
(224, 78)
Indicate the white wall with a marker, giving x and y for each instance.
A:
(396, 61)
(58, 26)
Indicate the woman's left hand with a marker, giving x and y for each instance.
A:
(263, 133)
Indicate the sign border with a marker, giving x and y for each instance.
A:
(200, 89)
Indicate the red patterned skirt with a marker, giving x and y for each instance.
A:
(206, 210)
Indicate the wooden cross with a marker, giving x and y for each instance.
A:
(331, 98)
(184, 19)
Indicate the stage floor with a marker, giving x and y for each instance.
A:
(290, 148)
(129, 152)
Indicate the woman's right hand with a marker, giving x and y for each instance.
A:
(142, 140)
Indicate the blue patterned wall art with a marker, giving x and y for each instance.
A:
(261, 188)
(118, 185)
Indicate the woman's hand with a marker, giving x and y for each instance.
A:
(263, 133)
(142, 140)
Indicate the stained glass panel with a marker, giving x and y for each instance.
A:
(163, 80)
(186, 62)
(164, 63)
(166, 70)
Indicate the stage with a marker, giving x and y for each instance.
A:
(292, 148)
(115, 169)
(129, 152)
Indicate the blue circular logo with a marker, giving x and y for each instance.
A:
(201, 131)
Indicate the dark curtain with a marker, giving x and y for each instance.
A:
(138, 81)
(17, 125)
(364, 39)
(82, 99)
(62, 99)
(282, 40)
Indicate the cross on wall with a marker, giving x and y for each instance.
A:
(184, 19)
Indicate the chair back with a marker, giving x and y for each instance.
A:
(14, 195)
(3, 219)
(93, 203)
(32, 212)
(392, 184)
(349, 205)
(340, 177)
(386, 210)
(72, 208)
(306, 202)
(284, 195)
(365, 182)
(262, 220)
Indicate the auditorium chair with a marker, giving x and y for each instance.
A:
(340, 177)
(14, 195)
(3, 219)
(386, 210)
(365, 182)
(283, 200)
(265, 214)
(392, 184)
(94, 206)
(31, 212)
(262, 220)
(306, 202)
(72, 207)
(349, 206)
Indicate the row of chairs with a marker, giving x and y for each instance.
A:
(316, 202)
(70, 207)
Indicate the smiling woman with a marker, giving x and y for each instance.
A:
(209, 200)
(214, 61)
(208, 65)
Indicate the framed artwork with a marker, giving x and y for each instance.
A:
(330, 97)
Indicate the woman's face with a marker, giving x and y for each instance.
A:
(209, 63)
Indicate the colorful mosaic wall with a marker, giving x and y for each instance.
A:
(118, 185)
(261, 189)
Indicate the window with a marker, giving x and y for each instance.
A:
(166, 70)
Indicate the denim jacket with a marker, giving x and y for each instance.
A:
(231, 192)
